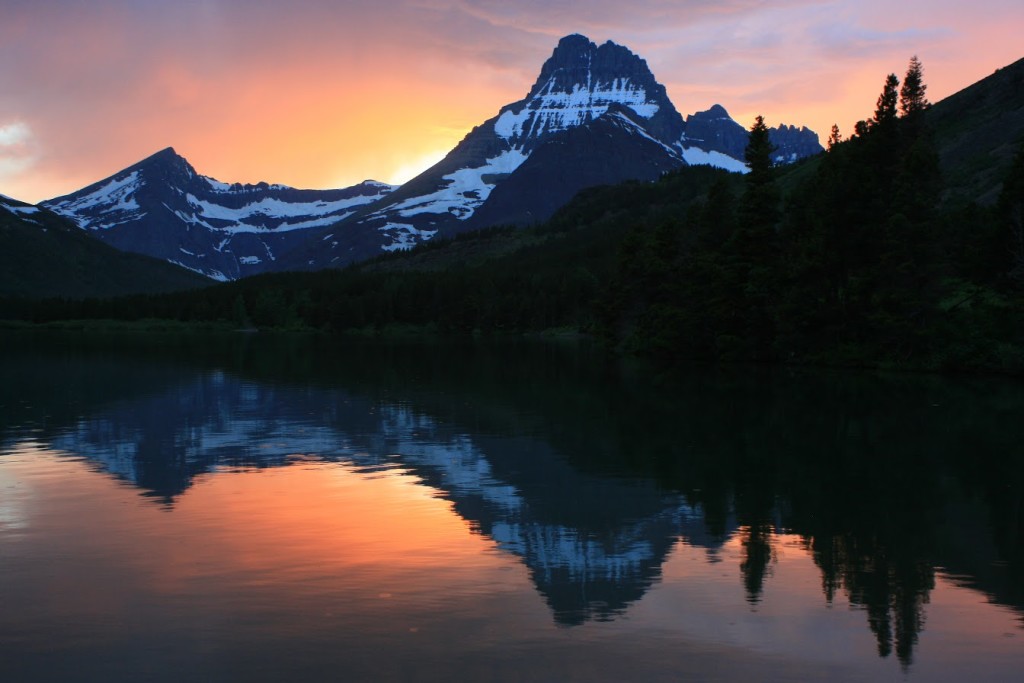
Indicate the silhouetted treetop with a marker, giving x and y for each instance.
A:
(912, 94)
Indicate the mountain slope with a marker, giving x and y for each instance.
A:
(162, 208)
(612, 149)
(45, 255)
(978, 130)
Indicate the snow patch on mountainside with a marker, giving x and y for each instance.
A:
(404, 236)
(216, 185)
(466, 190)
(551, 111)
(212, 274)
(698, 157)
(239, 219)
(115, 199)
(24, 210)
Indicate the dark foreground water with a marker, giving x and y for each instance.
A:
(259, 509)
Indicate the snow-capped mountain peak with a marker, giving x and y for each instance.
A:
(577, 84)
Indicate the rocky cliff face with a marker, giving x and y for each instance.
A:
(792, 143)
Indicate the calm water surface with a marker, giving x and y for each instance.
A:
(259, 509)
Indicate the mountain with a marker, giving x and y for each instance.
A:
(792, 143)
(576, 88)
(596, 115)
(715, 133)
(46, 255)
(162, 208)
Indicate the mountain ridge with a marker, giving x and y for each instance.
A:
(162, 207)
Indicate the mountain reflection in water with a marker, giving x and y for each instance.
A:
(587, 472)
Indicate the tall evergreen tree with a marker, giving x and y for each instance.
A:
(758, 153)
(752, 253)
(759, 206)
(885, 109)
(912, 94)
(834, 138)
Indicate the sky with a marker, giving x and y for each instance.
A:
(323, 94)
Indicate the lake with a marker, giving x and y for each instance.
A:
(261, 508)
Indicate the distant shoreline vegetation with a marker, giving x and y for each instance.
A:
(864, 256)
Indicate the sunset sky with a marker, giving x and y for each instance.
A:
(320, 93)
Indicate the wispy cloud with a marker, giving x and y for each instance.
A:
(17, 154)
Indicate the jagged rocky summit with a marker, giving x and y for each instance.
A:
(595, 115)
(715, 133)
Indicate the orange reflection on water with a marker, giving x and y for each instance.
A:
(307, 543)
(323, 517)
(312, 522)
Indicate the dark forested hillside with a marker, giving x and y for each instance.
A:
(978, 130)
(45, 255)
(514, 280)
(859, 262)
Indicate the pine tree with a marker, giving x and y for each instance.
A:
(835, 138)
(758, 153)
(912, 97)
(751, 255)
(885, 109)
(759, 205)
